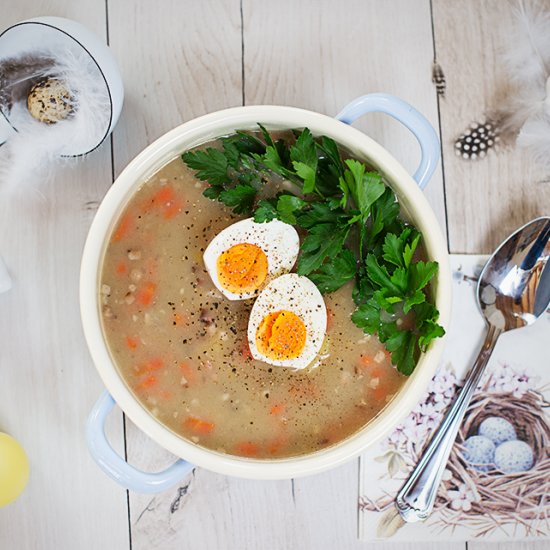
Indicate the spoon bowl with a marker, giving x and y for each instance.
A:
(514, 286)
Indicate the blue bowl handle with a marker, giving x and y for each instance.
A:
(408, 116)
(116, 467)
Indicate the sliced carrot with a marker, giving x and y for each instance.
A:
(277, 409)
(150, 366)
(146, 293)
(198, 426)
(121, 268)
(132, 342)
(163, 195)
(366, 360)
(379, 393)
(147, 383)
(367, 365)
(156, 364)
(188, 372)
(123, 228)
(166, 395)
(247, 448)
(173, 208)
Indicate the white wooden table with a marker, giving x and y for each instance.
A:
(180, 59)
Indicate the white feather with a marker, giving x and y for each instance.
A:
(525, 114)
(526, 58)
(526, 52)
(535, 136)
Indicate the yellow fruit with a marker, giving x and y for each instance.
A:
(14, 469)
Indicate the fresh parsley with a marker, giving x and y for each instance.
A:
(351, 225)
(397, 291)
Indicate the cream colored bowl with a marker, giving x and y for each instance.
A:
(167, 148)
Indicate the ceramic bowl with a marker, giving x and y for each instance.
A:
(170, 146)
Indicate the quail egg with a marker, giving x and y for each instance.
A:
(514, 456)
(50, 101)
(480, 452)
(497, 429)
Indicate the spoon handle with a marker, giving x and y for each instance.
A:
(416, 498)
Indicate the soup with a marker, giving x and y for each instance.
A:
(182, 348)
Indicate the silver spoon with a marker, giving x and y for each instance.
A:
(512, 292)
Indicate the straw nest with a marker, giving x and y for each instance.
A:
(502, 498)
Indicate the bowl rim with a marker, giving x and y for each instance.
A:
(198, 131)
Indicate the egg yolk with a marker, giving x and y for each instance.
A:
(242, 268)
(281, 335)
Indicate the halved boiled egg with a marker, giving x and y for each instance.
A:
(245, 256)
(288, 322)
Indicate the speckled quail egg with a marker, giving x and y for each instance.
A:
(288, 322)
(480, 452)
(497, 429)
(244, 257)
(50, 101)
(514, 456)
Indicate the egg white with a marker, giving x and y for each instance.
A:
(279, 242)
(299, 295)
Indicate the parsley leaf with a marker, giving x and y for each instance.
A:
(417, 298)
(426, 317)
(211, 165)
(265, 211)
(421, 273)
(332, 154)
(409, 249)
(321, 212)
(282, 207)
(394, 246)
(324, 240)
(364, 187)
(241, 198)
(287, 205)
(403, 346)
(384, 214)
(303, 155)
(367, 317)
(335, 273)
(379, 275)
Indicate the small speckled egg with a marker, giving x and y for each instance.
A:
(514, 456)
(497, 429)
(49, 101)
(479, 452)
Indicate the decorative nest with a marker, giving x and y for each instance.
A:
(502, 498)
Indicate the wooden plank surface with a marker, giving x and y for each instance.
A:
(489, 198)
(179, 62)
(48, 382)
